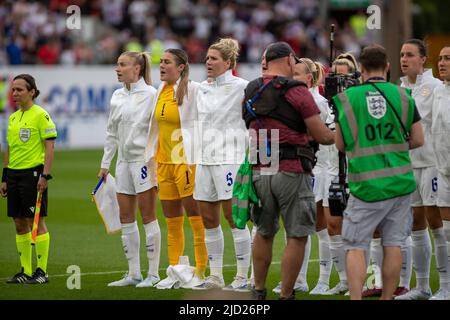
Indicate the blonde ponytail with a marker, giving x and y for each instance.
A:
(317, 74)
(143, 60)
(315, 68)
(146, 68)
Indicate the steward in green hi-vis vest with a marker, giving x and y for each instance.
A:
(379, 166)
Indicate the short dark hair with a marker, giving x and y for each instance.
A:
(373, 58)
(278, 50)
(420, 44)
(30, 82)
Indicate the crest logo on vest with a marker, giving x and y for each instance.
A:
(376, 105)
(25, 134)
(425, 92)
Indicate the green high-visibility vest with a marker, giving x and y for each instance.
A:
(379, 166)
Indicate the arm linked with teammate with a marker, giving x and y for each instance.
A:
(416, 138)
(319, 131)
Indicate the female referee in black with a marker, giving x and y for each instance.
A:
(28, 159)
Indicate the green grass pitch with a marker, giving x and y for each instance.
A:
(78, 237)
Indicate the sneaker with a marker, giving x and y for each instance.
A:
(341, 288)
(259, 294)
(195, 281)
(126, 281)
(20, 277)
(246, 288)
(400, 291)
(415, 294)
(240, 284)
(277, 289)
(441, 294)
(374, 292)
(38, 277)
(320, 289)
(211, 282)
(298, 287)
(150, 281)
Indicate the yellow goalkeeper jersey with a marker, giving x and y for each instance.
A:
(170, 149)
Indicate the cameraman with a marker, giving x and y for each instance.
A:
(288, 107)
(377, 124)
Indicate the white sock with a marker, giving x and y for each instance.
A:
(421, 249)
(153, 246)
(367, 258)
(447, 236)
(131, 243)
(252, 276)
(214, 246)
(302, 275)
(338, 256)
(376, 255)
(446, 229)
(325, 264)
(243, 250)
(405, 272)
(440, 251)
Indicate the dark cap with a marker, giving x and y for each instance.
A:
(278, 50)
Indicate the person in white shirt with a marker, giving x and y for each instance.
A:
(171, 144)
(223, 142)
(413, 55)
(344, 64)
(440, 132)
(126, 134)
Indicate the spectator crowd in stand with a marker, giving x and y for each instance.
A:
(35, 32)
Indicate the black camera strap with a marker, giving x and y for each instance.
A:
(342, 167)
(248, 105)
(405, 132)
(251, 101)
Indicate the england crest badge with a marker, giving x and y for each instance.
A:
(376, 104)
(25, 134)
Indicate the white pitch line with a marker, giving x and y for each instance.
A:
(124, 271)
